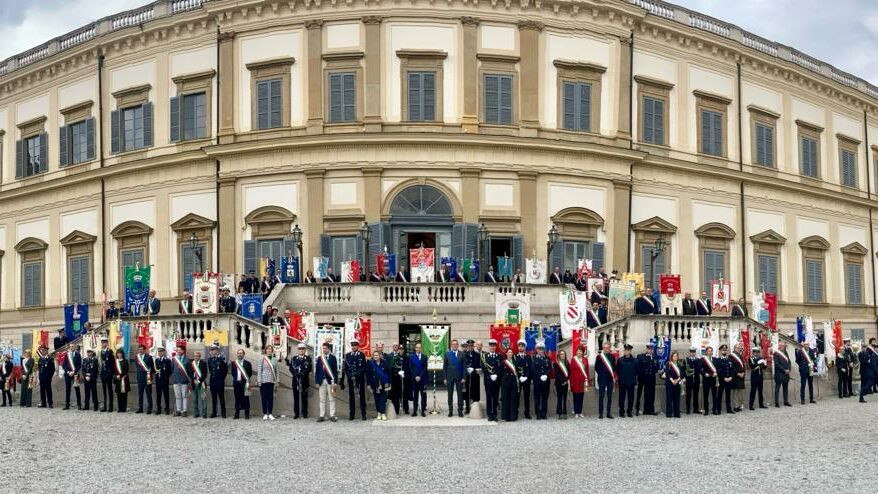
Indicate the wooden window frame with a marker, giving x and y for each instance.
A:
(32, 250)
(497, 64)
(814, 132)
(580, 72)
(766, 118)
(79, 244)
(715, 103)
(75, 114)
(267, 70)
(192, 84)
(128, 99)
(769, 243)
(850, 145)
(657, 90)
(33, 128)
(202, 228)
(345, 62)
(854, 254)
(422, 61)
(813, 248)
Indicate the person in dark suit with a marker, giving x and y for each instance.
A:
(673, 382)
(378, 378)
(354, 374)
(519, 276)
(508, 388)
(163, 370)
(326, 379)
(400, 384)
(702, 306)
(330, 278)
(108, 361)
(592, 319)
(644, 304)
(227, 303)
(46, 369)
(738, 309)
(709, 382)
(455, 376)
(626, 366)
(6, 367)
(844, 362)
(185, 305)
(418, 365)
(562, 384)
(374, 277)
(605, 366)
(473, 367)
(692, 372)
(726, 377)
(757, 366)
(866, 376)
(60, 340)
(555, 278)
(121, 382)
(112, 311)
(153, 305)
(26, 379)
(523, 366)
(90, 370)
(144, 364)
(689, 305)
(647, 368)
(781, 374)
(604, 311)
(491, 371)
(540, 369)
(242, 370)
(873, 360)
(71, 366)
(805, 359)
(401, 275)
(219, 369)
(490, 275)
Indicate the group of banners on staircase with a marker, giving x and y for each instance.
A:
(621, 299)
(75, 318)
(277, 339)
(119, 336)
(301, 324)
(434, 343)
(251, 306)
(137, 279)
(512, 307)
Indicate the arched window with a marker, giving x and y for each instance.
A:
(419, 201)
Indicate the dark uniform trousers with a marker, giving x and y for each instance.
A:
(693, 385)
(786, 388)
(473, 389)
(91, 391)
(672, 400)
(725, 392)
(646, 387)
(45, 391)
(541, 398)
(524, 393)
(561, 394)
(399, 392)
(144, 389)
(756, 389)
(509, 392)
(492, 396)
(626, 393)
(605, 390)
(419, 389)
(358, 382)
(300, 397)
(708, 388)
(163, 392)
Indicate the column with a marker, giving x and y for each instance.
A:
(372, 193)
(226, 226)
(372, 102)
(621, 211)
(470, 117)
(315, 211)
(529, 72)
(226, 81)
(624, 92)
(471, 190)
(527, 203)
(315, 76)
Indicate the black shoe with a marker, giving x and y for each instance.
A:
(862, 400)
(527, 416)
(351, 417)
(460, 414)
(44, 406)
(139, 411)
(333, 419)
(609, 416)
(450, 414)
(103, 409)
(777, 405)
(294, 417)
(414, 414)
(67, 407)
(320, 419)
(787, 404)
(812, 401)
(214, 416)
(600, 416)
(706, 414)
(422, 414)
(762, 406)
(158, 412)
(364, 417)
(629, 415)
(235, 417)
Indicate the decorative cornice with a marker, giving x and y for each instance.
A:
(712, 96)
(274, 62)
(579, 66)
(128, 91)
(531, 24)
(31, 244)
(422, 54)
(195, 76)
(470, 21)
(313, 23)
(343, 55)
(77, 237)
(649, 81)
(814, 242)
(763, 111)
(842, 137)
(34, 121)
(82, 105)
(498, 57)
(855, 249)
(372, 19)
(809, 125)
(226, 36)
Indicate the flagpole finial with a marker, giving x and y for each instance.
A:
(435, 315)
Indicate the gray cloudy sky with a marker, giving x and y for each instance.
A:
(841, 32)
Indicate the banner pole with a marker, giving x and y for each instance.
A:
(435, 410)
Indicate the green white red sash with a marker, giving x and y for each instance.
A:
(181, 366)
(807, 357)
(70, 361)
(326, 368)
(707, 360)
(511, 367)
(781, 355)
(122, 387)
(244, 376)
(196, 370)
(141, 363)
(606, 362)
(582, 368)
(267, 361)
(563, 366)
(675, 368)
(704, 305)
(651, 303)
(737, 359)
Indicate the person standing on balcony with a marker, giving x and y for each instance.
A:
(592, 319)
(182, 382)
(330, 278)
(267, 380)
(300, 369)
(647, 368)
(309, 278)
(153, 305)
(490, 275)
(490, 364)
(740, 370)
(508, 388)
(185, 306)
(378, 376)
(673, 383)
(455, 376)
(112, 311)
(725, 370)
(689, 305)
(644, 304)
(805, 359)
(540, 366)
(60, 340)
(400, 388)
(46, 367)
(519, 276)
(6, 384)
(198, 374)
(164, 368)
(523, 365)
(227, 303)
(241, 372)
(265, 287)
(579, 381)
(781, 374)
(90, 376)
(401, 275)
(108, 361)
(604, 367)
(757, 368)
(738, 309)
(121, 382)
(692, 371)
(702, 306)
(555, 277)
(562, 384)
(26, 379)
(374, 277)
(71, 366)
(418, 365)
(354, 374)
(144, 379)
(473, 367)
(708, 382)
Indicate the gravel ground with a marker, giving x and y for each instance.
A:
(752, 451)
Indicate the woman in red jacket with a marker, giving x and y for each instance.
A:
(579, 381)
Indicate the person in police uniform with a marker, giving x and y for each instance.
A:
(725, 370)
(90, 370)
(540, 367)
(227, 303)
(491, 362)
(781, 374)
(806, 359)
(647, 368)
(626, 367)
(692, 373)
(300, 369)
(473, 367)
(400, 380)
(757, 366)
(219, 369)
(845, 378)
(355, 371)
(163, 370)
(708, 381)
(46, 369)
(108, 360)
(112, 312)
(523, 367)
(71, 366)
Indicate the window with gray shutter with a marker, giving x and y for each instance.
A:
(34, 154)
(131, 128)
(597, 256)
(651, 271)
(343, 249)
(764, 145)
(711, 133)
(653, 120)
(855, 283)
(129, 258)
(78, 139)
(422, 96)
(269, 104)
(714, 264)
(80, 279)
(32, 284)
(767, 273)
(808, 156)
(577, 106)
(498, 99)
(848, 168)
(194, 116)
(814, 281)
(251, 263)
(190, 264)
(573, 252)
(342, 97)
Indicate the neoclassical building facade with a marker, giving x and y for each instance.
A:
(618, 122)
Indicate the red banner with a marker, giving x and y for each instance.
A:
(669, 284)
(745, 341)
(507, 336)
(296, 328)
(143, 336)
(836, 335)
(575, 341)
(770, 300)
(764, 342)
(363, 333)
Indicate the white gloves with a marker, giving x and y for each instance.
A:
(522, 379)
(469, 370)
(761, 362)
(493, 377)
(401, 373)
(544, 378)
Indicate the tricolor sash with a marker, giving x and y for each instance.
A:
(563, 366)
(607, 363)
(70, 361)
(781, 355)
(181, 366)
(703, 305)
(378, 369)
(118, 363)
(709, 362)
(737, 359)
(196, 370)
(267, 361)
(649, 300)
(582, 368)
(141, 363)
(242, 373)
(594, 315)
(457, 363)
(807, 357)
(676, 369)
(511, 367)
(326, 369)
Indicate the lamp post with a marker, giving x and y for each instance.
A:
(658, 248)
(365, 234)
(554, 237)
(296, 233)
(483, 237)
(193, 244)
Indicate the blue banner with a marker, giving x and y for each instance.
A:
(289, 270)
(75, 317)
(124, 335)
(388, 264)
(662, 347)
(800, 329)
(504, 267)
(549, 337)
(251, 306)
(451, 264)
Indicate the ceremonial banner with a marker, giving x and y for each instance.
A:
(507, 336)
(721, 295)
(836, 334)
(703, 337)
(350, 271)
(546, 336)
(251, 306)
(671, 299)
(800, 329)
(277, 338)
(829, 348)
(662, 350)
(422, 267)
(136, 288)
(149, 334)
(267, 267)
(360, 328)
(335, 338)
(296, 330)
(289, 269)
(595, 285)
(386, 264)
(511, 301)
(471, 270)
(746, 341)
(449, 266)
(592, 350)
(572, 310)
(760, 308)
(810, 335)
(229, 281)
(434, 340)
(120, 336)
(504, 267)
(40, 338)
(734, 338)
(636, 278)
(218, 337)
(770, 301)
(75, 317)
(536, 271)
(621, 299)
(583, 268)
(577, 339)
(320, 267)
(205, 293)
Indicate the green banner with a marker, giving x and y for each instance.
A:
(136, 289)
(434, 340)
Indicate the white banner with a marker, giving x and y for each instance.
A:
(205, 293)
(721, 296)
(320, 265)
(277, 338)
(155, 333)
(512, 300)
(734, 338)
(672, 306)
(706, 337)
(572, 311)
(333, 336)
(536, 271)
(90, 341)
(592, 350)
(829, 349)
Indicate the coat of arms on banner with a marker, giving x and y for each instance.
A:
(636, 278)
(572, 310)
(422, 262)
(205, 293)
(334, 337)
(671, 298)
(434, 340)
(721, 295)
(536, 270)
(621, 299)
(512, 301)
(584, 268)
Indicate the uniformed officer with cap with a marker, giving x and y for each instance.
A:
(725, 371)
(46, 369)
(300, 369)
(108, 360)
(540, 366)
(473, 366)
(227, 302)
(112, 312)
(90, 370)
(692, 372)
(164, 368)
(626, 367)
(757, 366)
(219, 369)
(490, 363)
(355, 371)
(846, 379)
(400, 380)
(647, 367)
(522, 366)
